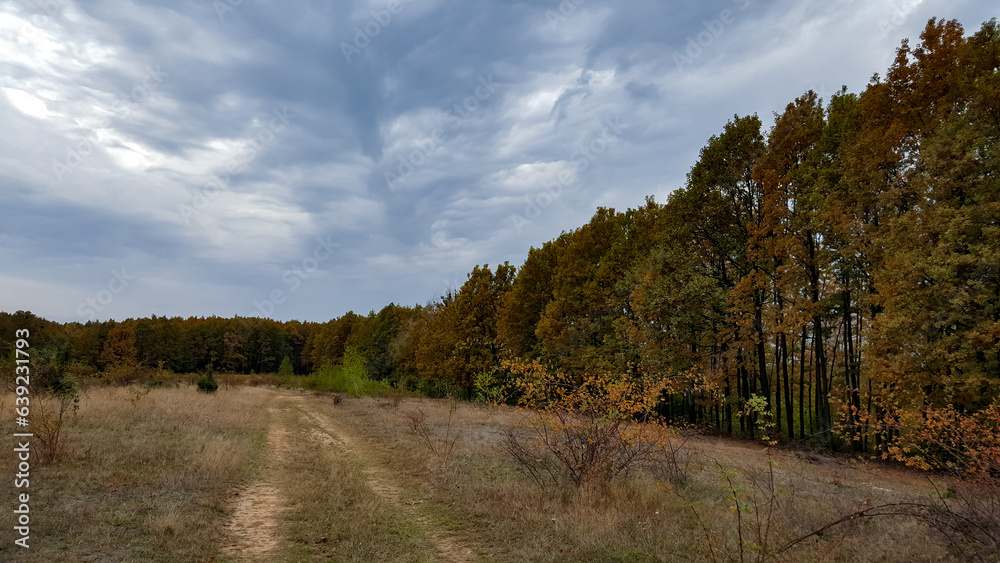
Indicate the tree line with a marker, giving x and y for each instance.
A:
(842, 265)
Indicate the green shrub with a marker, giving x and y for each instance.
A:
(51, 417)
(348, 378)
(207, 382)
(286, 369)
(491, 387)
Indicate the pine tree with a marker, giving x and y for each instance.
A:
(206, 383)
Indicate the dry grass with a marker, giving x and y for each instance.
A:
(333, 513)
(156, 476)
(505, 514)
(144, 477)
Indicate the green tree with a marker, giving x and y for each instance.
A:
(725, 206)
(206, 383)
(935, 339)
(522, 307)
(375, 338)
(286, 369)
(789, 241)
(477, 309)
(577, 321)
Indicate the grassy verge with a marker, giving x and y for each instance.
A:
(145, 475)
(478, 491)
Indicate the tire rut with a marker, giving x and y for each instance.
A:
(254, 528)
(446, 545)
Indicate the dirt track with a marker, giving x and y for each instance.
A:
(256, 526)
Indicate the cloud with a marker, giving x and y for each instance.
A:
(207, 152)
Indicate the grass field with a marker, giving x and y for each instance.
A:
(265, 474)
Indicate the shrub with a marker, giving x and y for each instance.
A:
(492, 387)
(286, 369)
(439, 389)
(966, 446)
(206, 383)
(121, 374)
(51, 415)
(394, 396)
(348, 378)
(586, 433)
(440, 446)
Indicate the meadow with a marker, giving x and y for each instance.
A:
(275, 474)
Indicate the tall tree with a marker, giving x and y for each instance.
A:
(119, 347)
(522, 307)
(723, 179)
(788, 239)
(579, 318)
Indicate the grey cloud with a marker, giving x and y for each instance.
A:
(556, 82)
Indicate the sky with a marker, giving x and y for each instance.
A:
(303, 158)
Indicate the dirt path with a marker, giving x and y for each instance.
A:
(254, 527)
(258, 510)
(446, 545)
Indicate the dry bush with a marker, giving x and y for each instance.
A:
(755, 500)
(396, 396)
(966, 447)
(49, 419)
(137, 393)
(772, 520)
(79, 371)
(392, 398)
(122, 374)
(228, 380)
(51, 414)
(440, 446)
(968, 517)
(769, 516)
(231, 380)
(563, 446)
(584, 434)
(672, 459)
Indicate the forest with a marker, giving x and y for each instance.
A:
(841, 263)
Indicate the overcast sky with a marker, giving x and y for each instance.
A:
(302, 158)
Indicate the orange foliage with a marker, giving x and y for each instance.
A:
(589, 430)
(945, 439)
